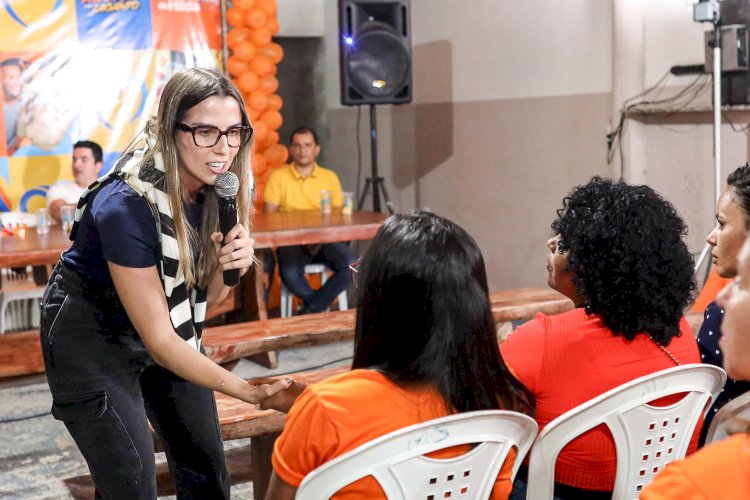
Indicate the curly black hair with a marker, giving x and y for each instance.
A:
(627, 256)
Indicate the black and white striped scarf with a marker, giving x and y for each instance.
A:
(187, 308)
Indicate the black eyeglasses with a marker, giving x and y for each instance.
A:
(207, 136)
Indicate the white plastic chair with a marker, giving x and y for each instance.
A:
(730, 419)
(19, 300)
(397, 463)
(285, 301)
(646, 437)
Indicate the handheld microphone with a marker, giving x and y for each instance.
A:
(226, 187)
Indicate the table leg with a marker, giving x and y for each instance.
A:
(254, 308)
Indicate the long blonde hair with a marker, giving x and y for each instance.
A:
(184, 90)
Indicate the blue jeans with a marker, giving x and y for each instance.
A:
(292, 262)
(105, 386)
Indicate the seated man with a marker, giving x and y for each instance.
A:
(87, 163)
(297, 186)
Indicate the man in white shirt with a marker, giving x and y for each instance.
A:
(87, 163)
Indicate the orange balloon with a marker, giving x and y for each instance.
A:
(237, 35)
(272, 118)
(274, 52)
(276, 154)
(253, 113)
(244, 51)
(243, 4)
(272, 25)
(267, 6)
(259, 163)
(260, 37)
(257, 100)
(274, 101)
(235, 17)
(261, 65)
(273, 138)
(261, 130)
(255, 18)
(247, 82)
(267, 173)
(269, 84)
(236, 66)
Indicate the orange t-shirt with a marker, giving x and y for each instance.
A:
(343, 412)
(570, 358)
(717, 472)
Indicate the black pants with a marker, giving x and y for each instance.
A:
(105, 386)
(292, 262)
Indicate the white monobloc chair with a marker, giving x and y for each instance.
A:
(730, 419)
(397, 463)
(285, 301)
(19, 296)
(646, 437)
(19, 301)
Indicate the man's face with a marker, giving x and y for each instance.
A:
(85, 168)
(10, 77)
(303, 149)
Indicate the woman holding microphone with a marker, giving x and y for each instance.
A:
(122, 314)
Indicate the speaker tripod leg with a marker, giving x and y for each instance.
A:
(380, 184)
(363, 193)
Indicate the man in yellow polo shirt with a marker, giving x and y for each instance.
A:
(297, 186)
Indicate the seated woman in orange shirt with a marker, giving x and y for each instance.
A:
(425, 347)
(618, 255)
(720, 470)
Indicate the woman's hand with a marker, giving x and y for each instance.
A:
(238, 250)
(258, 391)
(280, 400)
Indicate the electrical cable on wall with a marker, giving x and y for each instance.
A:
(679, 101)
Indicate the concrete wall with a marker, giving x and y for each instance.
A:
(512, 101)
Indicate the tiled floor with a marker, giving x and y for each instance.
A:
(37, 453)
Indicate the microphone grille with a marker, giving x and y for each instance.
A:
(227, 184)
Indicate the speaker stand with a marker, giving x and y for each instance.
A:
(375, 182)
(716, 80)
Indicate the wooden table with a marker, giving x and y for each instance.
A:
(269, 230)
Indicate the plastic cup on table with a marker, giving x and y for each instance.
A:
(67, 216)
(42, 221)
(348, 205)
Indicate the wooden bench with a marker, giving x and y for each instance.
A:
(20, 353)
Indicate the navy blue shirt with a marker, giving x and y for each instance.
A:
(708, 344)
(118, 226)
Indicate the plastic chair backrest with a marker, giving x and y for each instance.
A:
(646, 437)
(730, 419)
(397, 463)
(711, 288)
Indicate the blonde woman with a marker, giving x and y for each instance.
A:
(122, 314)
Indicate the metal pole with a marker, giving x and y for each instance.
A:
(717, 132)
(224, 48)
(717, 113)
(374, 159)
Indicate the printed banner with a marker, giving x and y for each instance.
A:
(75, 70)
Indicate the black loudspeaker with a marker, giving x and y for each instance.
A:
(375, 52)
(735, 87)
